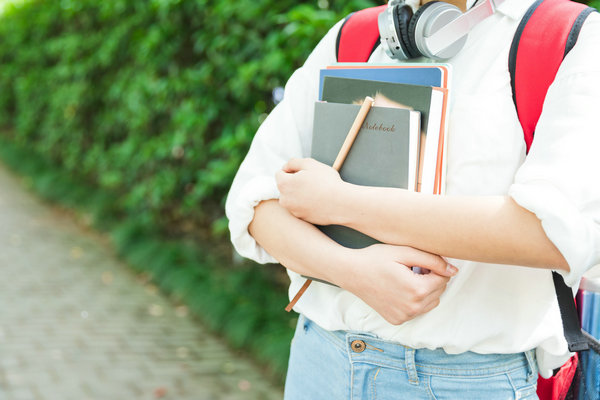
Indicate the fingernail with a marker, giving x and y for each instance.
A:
(451, 269)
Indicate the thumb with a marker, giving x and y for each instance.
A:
(432, 262)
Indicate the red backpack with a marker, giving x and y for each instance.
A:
(547, 32)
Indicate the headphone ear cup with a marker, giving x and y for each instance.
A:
(412, 43)
(403, 16)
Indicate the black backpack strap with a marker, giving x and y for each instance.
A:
(570, 319)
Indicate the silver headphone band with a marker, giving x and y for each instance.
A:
(433, 18)
(443, 38)
(440, 32)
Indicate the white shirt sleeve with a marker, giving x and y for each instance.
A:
(560, 179)
(285, 134)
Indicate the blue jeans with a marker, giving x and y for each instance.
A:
(346, 365)
(589, 385)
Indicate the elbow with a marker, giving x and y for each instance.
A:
(564, 265)
(559, 262)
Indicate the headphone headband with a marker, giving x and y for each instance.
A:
(443, 38)
(438, 29)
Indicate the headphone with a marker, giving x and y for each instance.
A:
(437, 30)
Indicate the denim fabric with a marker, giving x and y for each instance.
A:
(589, 384)
(589, 304)
(347, 365)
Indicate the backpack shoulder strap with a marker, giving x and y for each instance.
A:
(547, 32)
(359, 35)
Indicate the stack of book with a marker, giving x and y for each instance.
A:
(402, 140)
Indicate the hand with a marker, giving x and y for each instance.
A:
(381, 276)
(307, 190)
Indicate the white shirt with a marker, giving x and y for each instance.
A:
(486, 308)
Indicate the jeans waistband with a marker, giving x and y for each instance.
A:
(367, 348)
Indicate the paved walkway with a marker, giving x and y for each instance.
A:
(77, 324)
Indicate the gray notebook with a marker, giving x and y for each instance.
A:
(384, 153)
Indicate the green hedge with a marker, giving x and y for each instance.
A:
(153, 100)
(138, 113)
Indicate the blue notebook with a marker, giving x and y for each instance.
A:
(425, 74)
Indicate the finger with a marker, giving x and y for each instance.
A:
(281, 178)
(284, 182)
(433, 281)
(431, 301)
(430, 285)
(295, 165)
(435, 294)
(299, 164)
(423, 259)
(431, 305)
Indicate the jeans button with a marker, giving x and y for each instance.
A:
(358, 346)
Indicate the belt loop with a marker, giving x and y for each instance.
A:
(530, 355)
(411, 369)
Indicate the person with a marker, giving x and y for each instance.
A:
(485, 320)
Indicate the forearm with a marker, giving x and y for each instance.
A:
(490, 229)
(378, 274)
(296, 244)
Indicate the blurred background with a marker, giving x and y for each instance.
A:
(130, 118)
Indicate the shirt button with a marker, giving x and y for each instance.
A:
(358, 346)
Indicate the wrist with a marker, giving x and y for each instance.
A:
(344, 274)
(333, 266)
(340, 202)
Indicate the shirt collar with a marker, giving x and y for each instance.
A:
(514, 9)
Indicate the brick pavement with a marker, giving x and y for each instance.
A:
(77, 324)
